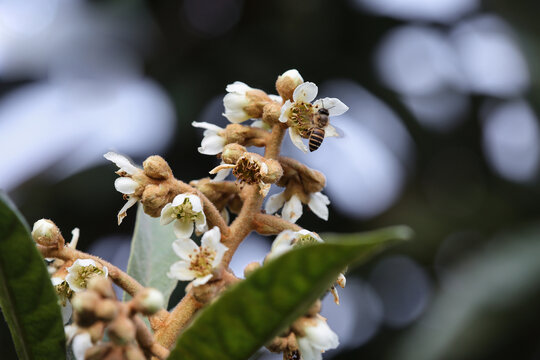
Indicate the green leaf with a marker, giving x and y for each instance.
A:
(254, 311)
(151, 254)
(487, 301)
(27, 297)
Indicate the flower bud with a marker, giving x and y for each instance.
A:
(122, 331)
(102, 286)
(107, 309)
(271, 113)
(133, 352)
(251, 267)
(149, 301)
(274, 173)
(96, 331)
(157, 168)
(232, 152)
(46, 233)
(287, 82)
(84, 306)
(154, 198)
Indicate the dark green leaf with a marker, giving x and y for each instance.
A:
(485, 301)
(27, 298)
(251, 313)
(151, 254)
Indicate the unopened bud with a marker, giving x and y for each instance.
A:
(287, 82)
(154, 198)
(46, 233)
(96, 331)
(251, 267)
(274, 173)
(271, 113)
(157, 168)
(107, 309)
(149, 301)
(84, 306)
(232, 152)
(102, 286)
(121, 330)
(133, 352)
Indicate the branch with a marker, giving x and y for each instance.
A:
(120, 278)
(145, 339)
(266, 224)
(180, 317)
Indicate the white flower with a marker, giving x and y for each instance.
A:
(213, 142)
(235, 102)
(124, 184)
(63, 292)
(292, 208)
(81, 271)
(81, 342)
(286, 240)
(318, 338)
(43, 228)
(298, 114)
(197, 263)
(186, 210)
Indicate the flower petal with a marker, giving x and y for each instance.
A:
(122, 213)
(179, 199)
(202, 280)
(211, 238)
(167, 215)
(321, 336)
(292, 210)
(196, 204)
(183, 228)
(125, 185)
(207, 126)
(180, 271)
(212, 145)
(67, 311)
(307, 351)
(274, 203)
(318, 203)
(200, 223)
(220, 251)
(297, 140)
(185, 248)
(284, 116)
(334, 106)
(122, 162)
(238, 87)
(305, 92)
(221, 175)
(81, 343)
(221, 167)
(330, 131)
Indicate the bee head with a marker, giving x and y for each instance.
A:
(323, 111)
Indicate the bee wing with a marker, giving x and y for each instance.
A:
(333, 131)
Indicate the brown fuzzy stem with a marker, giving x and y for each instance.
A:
(120, 278)
(145, 339)
(180, 317)
(266, 224)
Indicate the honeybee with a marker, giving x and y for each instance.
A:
(316, 132)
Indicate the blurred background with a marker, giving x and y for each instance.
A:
(442, 135)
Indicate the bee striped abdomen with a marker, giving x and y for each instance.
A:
(316, 138)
